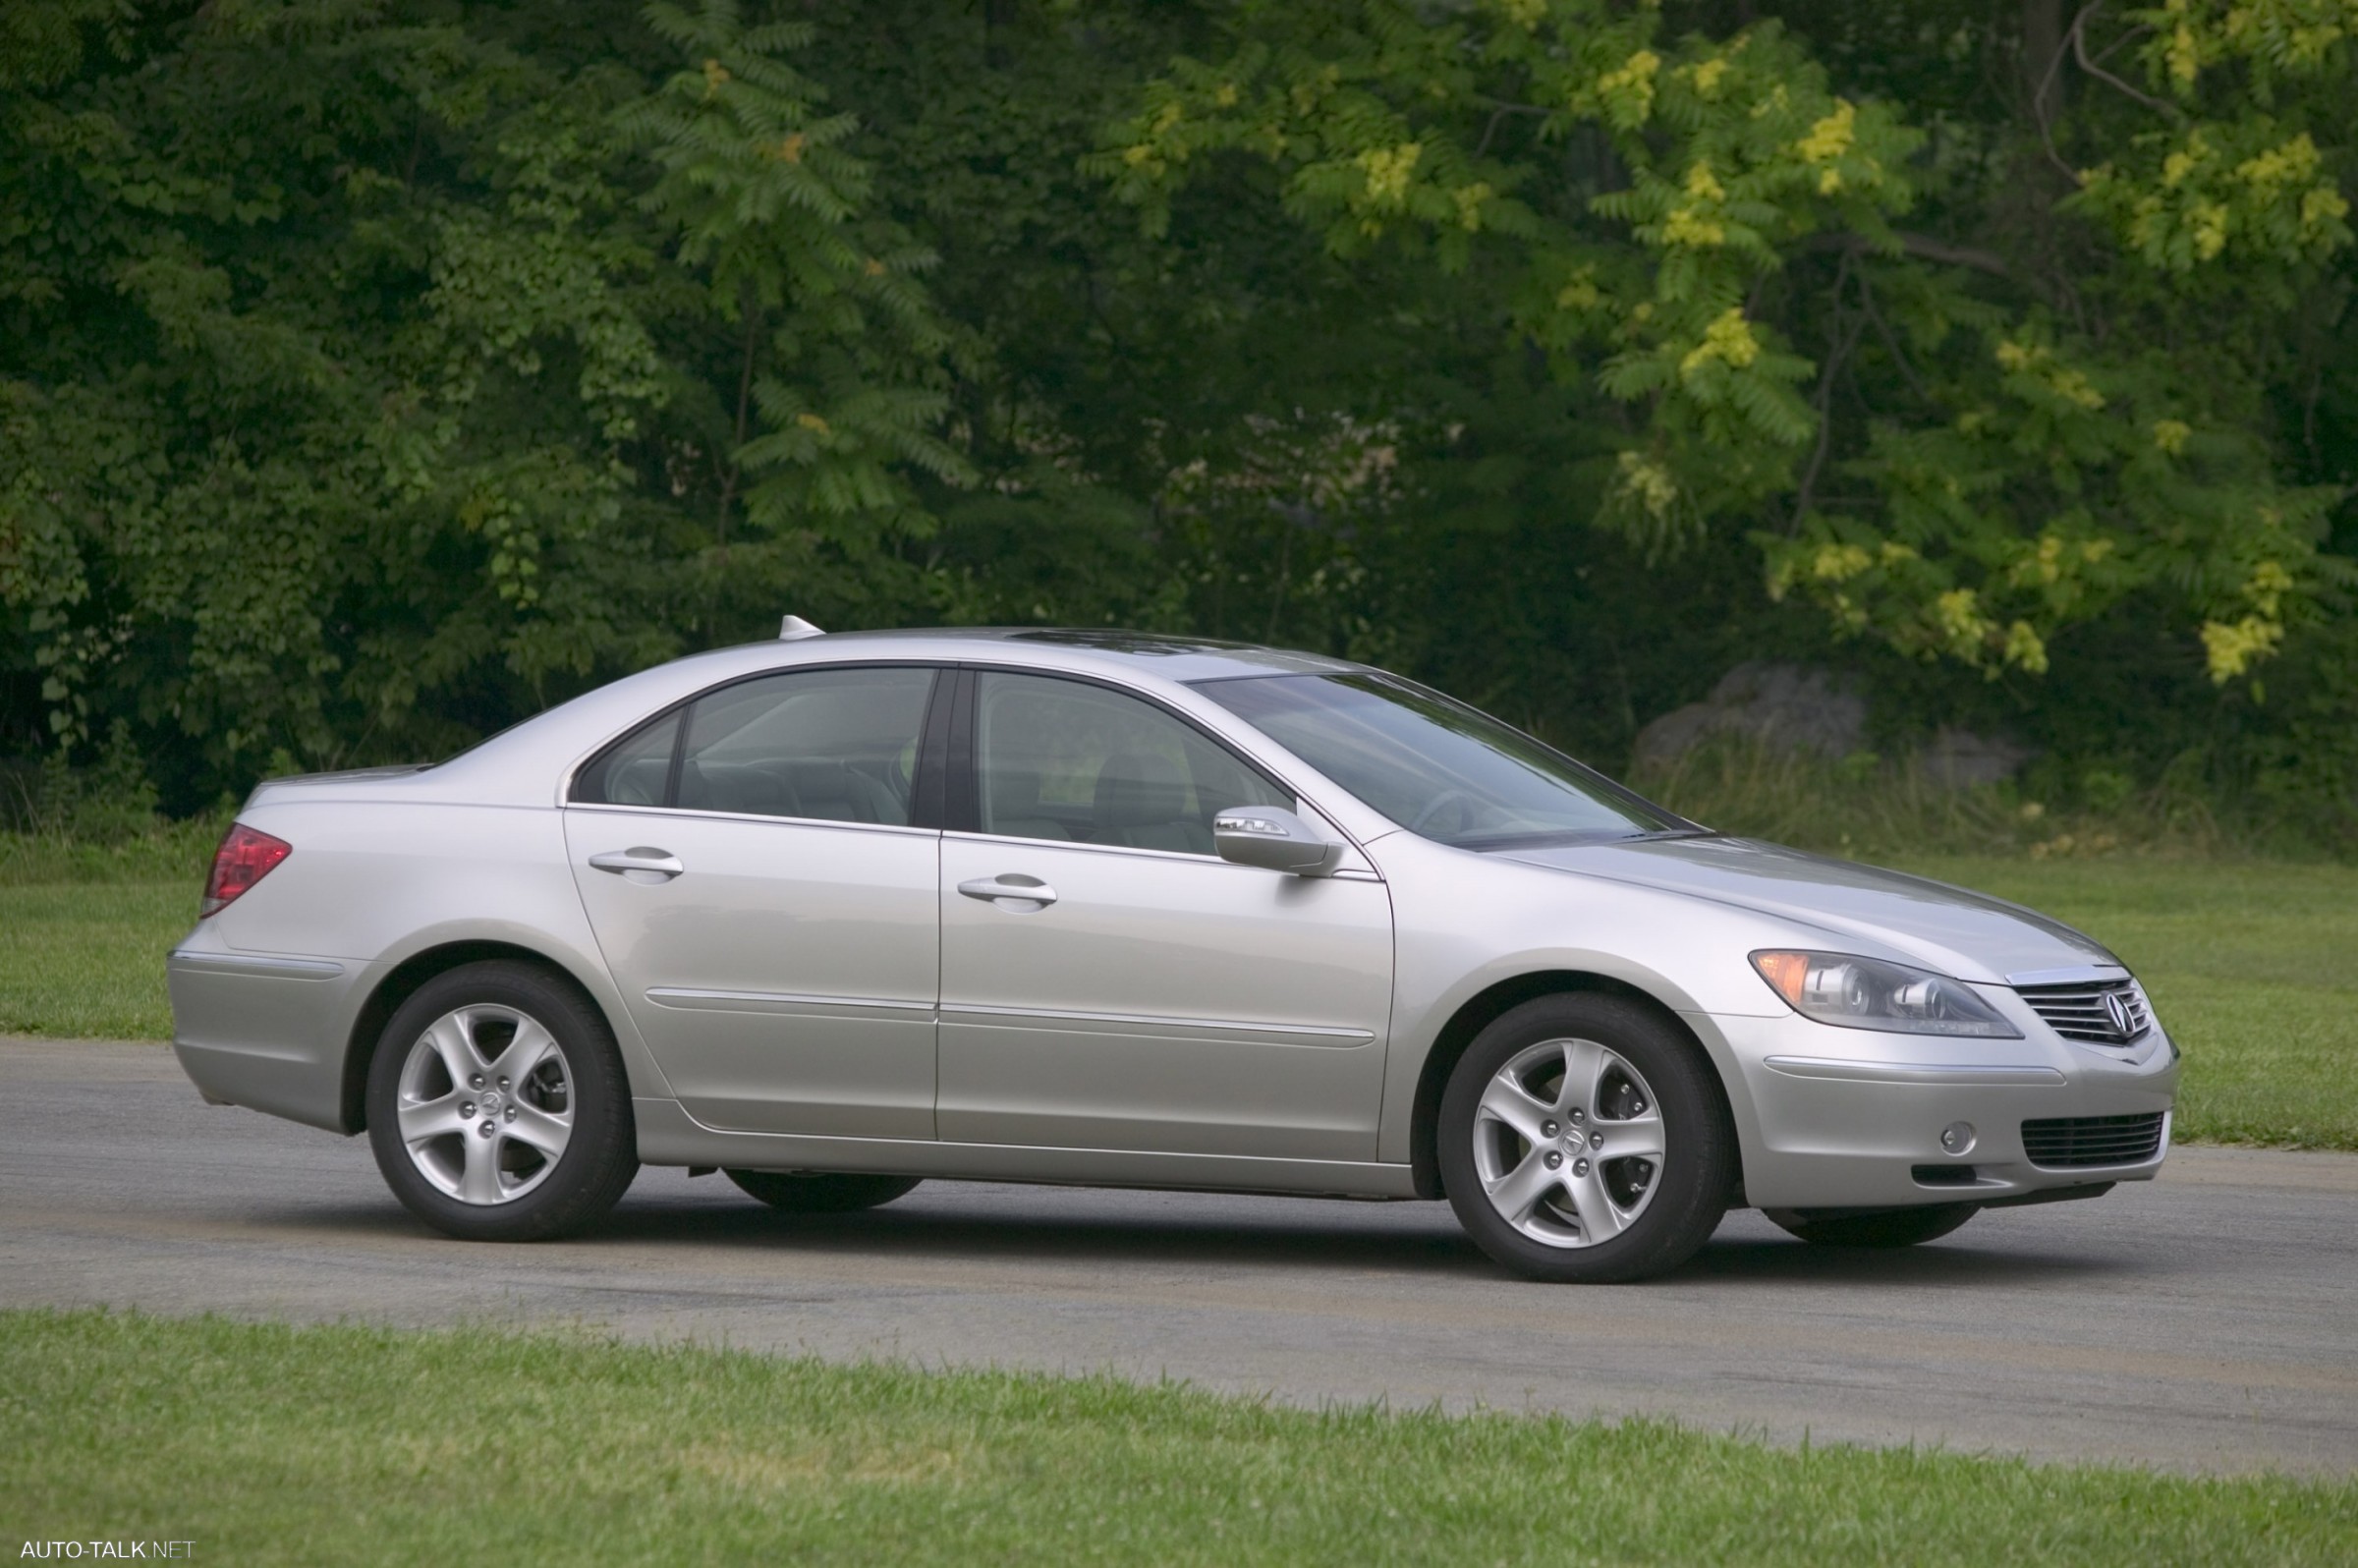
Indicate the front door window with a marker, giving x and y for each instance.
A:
(1069, 761)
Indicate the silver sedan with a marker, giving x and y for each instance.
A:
(838, 914)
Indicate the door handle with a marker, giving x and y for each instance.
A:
(640, 863)
(1012, 889)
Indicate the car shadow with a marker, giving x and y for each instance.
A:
(1325, 1235)
(1399, 1238)
(1950, 1264)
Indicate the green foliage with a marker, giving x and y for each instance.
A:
(1666, 219)
(374, 371)
(369, 379)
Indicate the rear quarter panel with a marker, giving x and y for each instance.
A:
(371, 883)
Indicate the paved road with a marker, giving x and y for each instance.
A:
(2209, 1320)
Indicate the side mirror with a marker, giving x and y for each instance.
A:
(1274, 839)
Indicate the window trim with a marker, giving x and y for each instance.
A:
(927, 761)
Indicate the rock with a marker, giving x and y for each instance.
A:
(1790, 709)
(1785, 708)
(1959, 759)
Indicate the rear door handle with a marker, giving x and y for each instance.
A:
(640, 863)
(1027, 892)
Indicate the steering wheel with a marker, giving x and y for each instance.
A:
(1432, 807)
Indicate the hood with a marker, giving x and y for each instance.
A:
(1969, 936)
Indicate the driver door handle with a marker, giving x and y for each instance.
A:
(640, 861)
(1013, 887)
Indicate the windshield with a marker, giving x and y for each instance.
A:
(1436, 766)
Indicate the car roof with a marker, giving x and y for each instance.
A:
(1166, 655)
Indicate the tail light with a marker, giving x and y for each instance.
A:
(244, 859)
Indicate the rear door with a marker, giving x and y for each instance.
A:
(1107, 981)
(766, 899)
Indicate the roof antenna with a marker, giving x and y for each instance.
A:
(794, 628)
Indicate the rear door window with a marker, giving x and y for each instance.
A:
(833, 745)
(826, 745)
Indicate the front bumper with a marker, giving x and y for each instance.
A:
(1840, 1118)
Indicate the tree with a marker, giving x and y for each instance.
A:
(1710, 235)
(367, 379)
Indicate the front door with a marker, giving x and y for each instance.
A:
(1109, 982)
(770, 913)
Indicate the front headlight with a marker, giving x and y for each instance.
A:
(1869, 994)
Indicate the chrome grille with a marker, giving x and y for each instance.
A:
(2068, 1143)
(2078, 1012)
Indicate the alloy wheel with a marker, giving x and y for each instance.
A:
(485, 1103)
(1569, 1143)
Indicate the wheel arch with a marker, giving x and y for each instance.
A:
(1494, 1001)
(401, 981)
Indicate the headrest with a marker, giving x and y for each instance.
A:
(1135, 789)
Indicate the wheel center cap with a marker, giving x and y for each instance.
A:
(489, 1101)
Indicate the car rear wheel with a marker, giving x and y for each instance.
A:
(1882, 1227)
(822, 1192)
(497, 1106)
(1584, 1138)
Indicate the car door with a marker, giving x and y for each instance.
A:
(1108, 982)
(766, 903)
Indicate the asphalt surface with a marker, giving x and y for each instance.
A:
(2205, 1321)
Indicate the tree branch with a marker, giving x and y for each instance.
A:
(1498, 115)
(2079, 50)
(1837, 346)
(1923, 247)
(1890, 339)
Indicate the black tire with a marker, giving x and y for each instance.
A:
(600, 1154)
(1690, 1183)
(1881, 1228)
(822, 1192)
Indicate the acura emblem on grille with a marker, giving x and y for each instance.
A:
(2116, 1013)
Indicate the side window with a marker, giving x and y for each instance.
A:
(839, 745)
(1063, 760)
(634, 770)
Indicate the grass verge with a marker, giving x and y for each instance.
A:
(267, 1445)
(86, 960)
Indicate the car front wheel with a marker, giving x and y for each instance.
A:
(497, 1106)
(1584, 1138)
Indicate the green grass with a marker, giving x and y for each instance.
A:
(270, 1444)
(2252, 965)
(87, 960)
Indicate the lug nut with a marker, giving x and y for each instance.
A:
(503, 1082)
(511, 1113)
(1555, 1159)
(1579, 1115)
(477, 1082)
(488, 1129)
(1580, 1167)
(1595, 1140)
(1547, 1129)
(467, 1109)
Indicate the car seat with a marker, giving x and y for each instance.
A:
(1142, 803)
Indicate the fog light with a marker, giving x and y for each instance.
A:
(1957, 1137)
